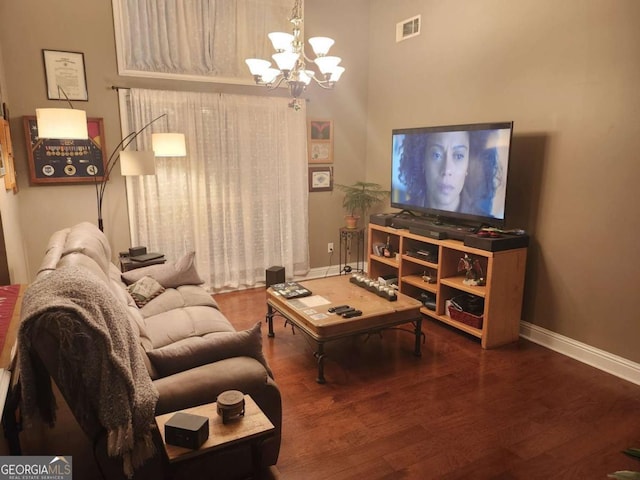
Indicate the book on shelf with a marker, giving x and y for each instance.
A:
(291, 290)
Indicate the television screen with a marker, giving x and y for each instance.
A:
(454, 171)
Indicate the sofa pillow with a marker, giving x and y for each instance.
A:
(144, 290)
(170, 274)
(195, 351)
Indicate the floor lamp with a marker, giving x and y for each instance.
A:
(139, 162)
(71, 124)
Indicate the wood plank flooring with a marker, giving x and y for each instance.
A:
(518, 412)
(458, 412)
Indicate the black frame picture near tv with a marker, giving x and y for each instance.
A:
(453, 173)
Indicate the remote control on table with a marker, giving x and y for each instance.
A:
(353, 313)
(339, 307)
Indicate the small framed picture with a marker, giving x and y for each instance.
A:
(320, 141)
(65, 75)
(320, 179)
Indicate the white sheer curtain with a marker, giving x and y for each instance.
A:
(239, 198)
(196, 37)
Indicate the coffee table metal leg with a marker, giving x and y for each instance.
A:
(418, 325)
(320, 356)
(270, 314)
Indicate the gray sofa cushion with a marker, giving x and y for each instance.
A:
(195, 351)
(173, 298)
(170, 274)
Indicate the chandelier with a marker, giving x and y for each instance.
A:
(292, 61)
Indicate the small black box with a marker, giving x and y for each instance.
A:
(497, 244)
(384, 219)
(186, 430)
(135, 251)
(275, 275)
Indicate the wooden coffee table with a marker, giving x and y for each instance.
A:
(311, 315)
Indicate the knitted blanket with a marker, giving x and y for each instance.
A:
(100, 364)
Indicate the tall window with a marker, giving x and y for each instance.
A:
(239, 198)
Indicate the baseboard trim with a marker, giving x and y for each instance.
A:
(605, 361)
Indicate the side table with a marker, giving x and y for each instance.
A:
(252, 429)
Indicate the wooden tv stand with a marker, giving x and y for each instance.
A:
(504, 272)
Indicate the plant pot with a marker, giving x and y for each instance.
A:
(352, 221)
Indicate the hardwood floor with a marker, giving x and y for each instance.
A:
(518, 412)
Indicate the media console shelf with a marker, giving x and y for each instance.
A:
(502, 294)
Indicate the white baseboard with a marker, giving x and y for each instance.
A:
(605, 361)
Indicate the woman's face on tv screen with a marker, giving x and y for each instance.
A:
(447, 161)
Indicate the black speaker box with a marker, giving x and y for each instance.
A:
(431, 232)
(186, 430)
(497, 244)
(135, 251)
(274, 275)
(384, 219)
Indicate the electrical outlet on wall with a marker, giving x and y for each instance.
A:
(330, 247)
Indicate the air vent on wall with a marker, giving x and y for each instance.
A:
(408, 28)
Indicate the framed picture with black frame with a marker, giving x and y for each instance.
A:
(65, 75)
(320, 179)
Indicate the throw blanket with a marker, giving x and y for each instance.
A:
(100, 364)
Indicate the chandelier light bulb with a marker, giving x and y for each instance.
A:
(281, 41)
(336, 74)
(305, 76)
(270, 74)
(257, 66)
(327, 64)
(285, 60)
(321, 45)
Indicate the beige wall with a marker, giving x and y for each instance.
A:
(13, 247)
(346, 107)
(566, 72)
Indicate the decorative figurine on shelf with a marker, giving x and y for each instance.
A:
(474, 275)
(428, 277)
(386, 250)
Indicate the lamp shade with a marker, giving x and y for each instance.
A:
(169, 144)
(134, 162)
(321, 45)
(62, 123)
(327, 64)
(285, 60)
(281, 41)
(257, 66)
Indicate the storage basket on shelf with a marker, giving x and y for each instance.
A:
(467, 309)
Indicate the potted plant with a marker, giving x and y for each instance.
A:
(360, 197)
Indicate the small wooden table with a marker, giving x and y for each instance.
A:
(253, 428)
(321, 326)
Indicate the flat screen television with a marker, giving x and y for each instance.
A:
(452, 172)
